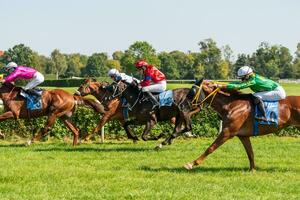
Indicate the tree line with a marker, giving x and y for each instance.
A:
(211, 61)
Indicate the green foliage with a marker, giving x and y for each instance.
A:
(96, 65)
(205, 124)
(138, 50)
(59, 63)
(20, 54)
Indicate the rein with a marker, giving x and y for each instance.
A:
(197, 96)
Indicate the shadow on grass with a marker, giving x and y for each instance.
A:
(216, 169)
(90, 149)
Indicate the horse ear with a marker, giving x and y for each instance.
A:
(198, 82)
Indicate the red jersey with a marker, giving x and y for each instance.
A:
(151, 73)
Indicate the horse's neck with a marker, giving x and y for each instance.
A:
(10, 94)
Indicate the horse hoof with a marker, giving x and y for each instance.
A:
(188, 166)
(158, 147)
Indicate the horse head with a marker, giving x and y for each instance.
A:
(90, 86)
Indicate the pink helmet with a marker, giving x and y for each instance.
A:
(141, 63)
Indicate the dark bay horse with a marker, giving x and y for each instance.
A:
(56, 103)
(236, 111)
(142, 112)
(113, 107)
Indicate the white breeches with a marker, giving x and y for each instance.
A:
(157, 87)
(274, 95)
(37, 79)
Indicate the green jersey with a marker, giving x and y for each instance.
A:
(256, 83)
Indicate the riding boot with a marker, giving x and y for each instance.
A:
(33, 92)
(155, 103)
(259, 102)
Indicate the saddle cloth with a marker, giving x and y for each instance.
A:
(165, 98)
(272, 111)
(33, 102)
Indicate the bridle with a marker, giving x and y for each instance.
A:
(200, 95)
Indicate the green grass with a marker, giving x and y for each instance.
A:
(122, 170)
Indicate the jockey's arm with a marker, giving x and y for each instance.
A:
(239, 86)
(12, 77)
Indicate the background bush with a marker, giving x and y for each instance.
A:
(205, 124)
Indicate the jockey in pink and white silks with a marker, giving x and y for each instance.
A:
(26, 73)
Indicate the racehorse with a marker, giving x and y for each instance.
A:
(237, 111)
(56, 103)
(113, 107)
(141, 109)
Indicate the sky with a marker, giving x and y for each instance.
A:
(90, 26)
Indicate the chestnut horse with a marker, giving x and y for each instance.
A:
(236, 111)
(113, 107)
(56, 103)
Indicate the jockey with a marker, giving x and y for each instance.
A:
(117, 76)
(22, 72)
(264, 89)
(154, 80)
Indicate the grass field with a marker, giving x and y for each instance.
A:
(122, 170)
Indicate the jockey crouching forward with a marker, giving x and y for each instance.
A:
(25, 73)
(264, 89)
(116, 76)
(154, 80)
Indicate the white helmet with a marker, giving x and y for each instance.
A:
(244, 71)
(11, 65)
(113, 72)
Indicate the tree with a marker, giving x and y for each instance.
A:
(272, 61)
(113, 64)
(117, 55)
(75, 65)
(96, 65)
(210, 56)
(168, 65)
(20, 54)
(185, 64)
(59, 62)
(229, 59)
(139, 50)
(296, 64)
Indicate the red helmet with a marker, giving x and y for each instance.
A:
(141, 63)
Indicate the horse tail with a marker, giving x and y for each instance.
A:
(94, 104)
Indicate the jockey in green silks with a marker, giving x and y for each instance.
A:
(264, 89)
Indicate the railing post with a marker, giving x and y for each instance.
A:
(102, 134)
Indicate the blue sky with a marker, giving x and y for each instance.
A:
(106, 26)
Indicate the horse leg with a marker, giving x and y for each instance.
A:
(248, 147)
(147, 130)
(50, 121)
(6, 115)
(221, 139)
(106, 117)
(128, 131)
(72, 128)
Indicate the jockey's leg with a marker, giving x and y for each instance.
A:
(259, 102)
(37, 79)
(154, 101)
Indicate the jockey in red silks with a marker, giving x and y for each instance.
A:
(22, 72)
(154, 80)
